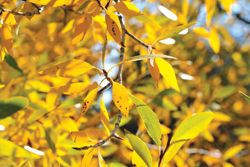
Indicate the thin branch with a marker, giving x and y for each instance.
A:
(19, 13)
(138, 40)
(102, 142)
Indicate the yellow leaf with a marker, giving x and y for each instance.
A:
(121, 98)
(231, 152)
(40, 2)
(37, 85)
(168, 74)
(219, 116)
(69, 125)
(127, 8)
(82, 25)
(245, 138)
(101, 160)
(137, 161)
(86, 161)
(61, 3)
(104, 116)
(201, 31)
(75, 88)
(73, 68)
(113, 26)
(214, 40)
(8, 18)
(68, 27)
(89, 99)
(2, 86)
(227, 5)
(210, 9)
(51, 100)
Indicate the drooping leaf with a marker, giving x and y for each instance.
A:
(140, 148)
(214, 40)
(113, 26)
(11, 105)
(12, 62)
(149, 118)
(187, 130)
(104, 116)
(121, 98)
(168, 74)
(89, 99)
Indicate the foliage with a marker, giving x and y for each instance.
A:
(91, 83)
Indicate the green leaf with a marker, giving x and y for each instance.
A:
(48, 133)
(12, 62)
(140, 148)
(149, 118)
(11, 105)
(9, 148)
(224, 92)
(187, 130)
(166, 33)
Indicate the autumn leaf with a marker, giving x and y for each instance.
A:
(82, 25)
(168, 74)
(127, 8)
(121, 98)
(113, 26)
(89, 99)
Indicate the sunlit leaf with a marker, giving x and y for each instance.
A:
(88, 155)
(233, 151)
(121, 98)
(168, 74)
(89, 99)
(214, 40)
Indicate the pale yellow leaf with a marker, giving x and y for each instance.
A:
(88, 155)
(101, 161)
(214, 40)
(104, 116)
(233, 151)
(168, 74)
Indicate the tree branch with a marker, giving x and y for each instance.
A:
(138, 40)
